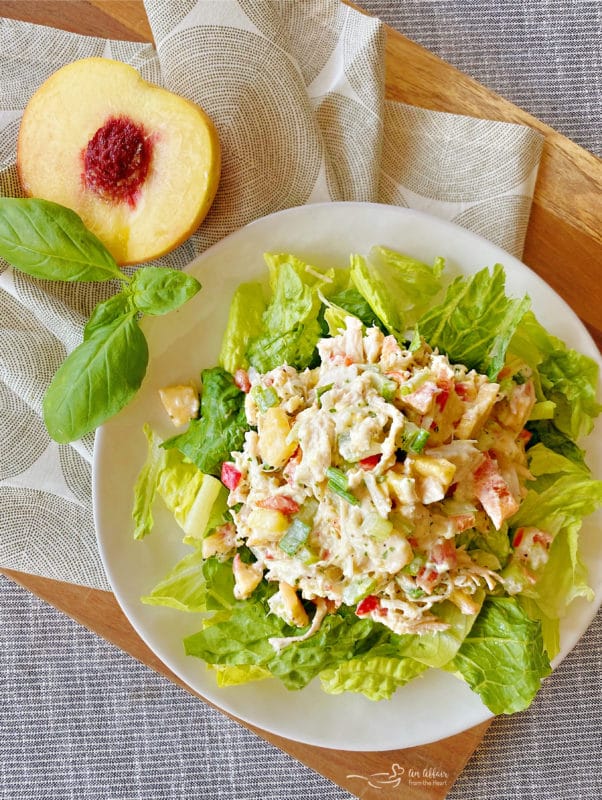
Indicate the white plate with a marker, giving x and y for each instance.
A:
(181, 344)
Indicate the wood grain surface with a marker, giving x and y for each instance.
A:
(564, 245)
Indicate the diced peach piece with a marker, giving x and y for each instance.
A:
(474, 417)
(274, 428)
(181, 403)
(221, 542)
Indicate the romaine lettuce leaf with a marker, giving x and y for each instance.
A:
(493, 542)
(196, 500)
(351, 302)
(397, 287)
(545, 432)
(558, 500)
(210, 440)
(563, 503)
(183, 588)
(290, 322)
(475, 322)
(145, 489)
(219, 584)
(245, 322)
(567, 378)
(241, 673)
(241, 638)
(376, 677)
(503, 658)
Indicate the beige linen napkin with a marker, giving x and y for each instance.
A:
(296, 92)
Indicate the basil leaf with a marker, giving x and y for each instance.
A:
(157, 290)
(47, 240)
(108, 312)
(97, 379)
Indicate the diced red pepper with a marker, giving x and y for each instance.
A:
(289, 470)
(461, 390)
(369, 462)
(444, 553)
(241, 379)
(230, 475)
(518, 537)
(367, 605)
(525, 436)
(280, 502)
(443, 395)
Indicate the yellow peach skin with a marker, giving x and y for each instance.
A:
(173, 182)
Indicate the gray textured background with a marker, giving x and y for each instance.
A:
(79, 719)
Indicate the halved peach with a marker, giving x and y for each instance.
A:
(139, 164)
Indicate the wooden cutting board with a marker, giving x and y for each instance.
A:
(564, 245)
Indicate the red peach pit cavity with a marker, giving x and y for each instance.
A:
(116, 160)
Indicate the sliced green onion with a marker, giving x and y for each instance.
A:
(387, 388)
(419, 441)
(265, 397)
(415, 594)
(414, 438)
(321, 390)
(415, 565)
(350, 498)
(357, 590)
(296, 535)
(338, 477)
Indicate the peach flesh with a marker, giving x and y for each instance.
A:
(116, 160)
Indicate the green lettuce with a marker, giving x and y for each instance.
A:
(351, 302)
(245, 322)
(241, 673)
(568, 378)
(375, 676)
(196, 500)
(546, 433)
(475, 321)
(184, 588)
(290, 323)
(398, 288)
(437, 648)
(210, 440)
(562, 494)
(502, 658)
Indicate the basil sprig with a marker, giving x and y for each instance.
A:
(47, 240)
